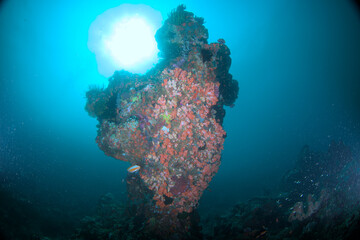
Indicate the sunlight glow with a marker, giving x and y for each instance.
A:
(123, 38)
(131, 41)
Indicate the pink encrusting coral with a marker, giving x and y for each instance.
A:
(298, 210)
(188, 151)
(169, 121)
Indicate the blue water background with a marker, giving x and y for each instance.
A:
(297, 63)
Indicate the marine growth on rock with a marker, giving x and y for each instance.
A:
(169, 121)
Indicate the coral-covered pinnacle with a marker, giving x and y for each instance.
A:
(169, 121)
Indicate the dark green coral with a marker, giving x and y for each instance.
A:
(178, 16)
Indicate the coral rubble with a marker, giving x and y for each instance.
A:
(169, 121)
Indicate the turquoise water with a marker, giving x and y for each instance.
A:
(298, 68)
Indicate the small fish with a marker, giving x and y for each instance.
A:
(133, 169)
(261, 234)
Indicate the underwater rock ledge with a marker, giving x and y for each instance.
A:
(169, 121)
(317, 199)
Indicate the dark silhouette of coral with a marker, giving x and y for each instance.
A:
(310, 205)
